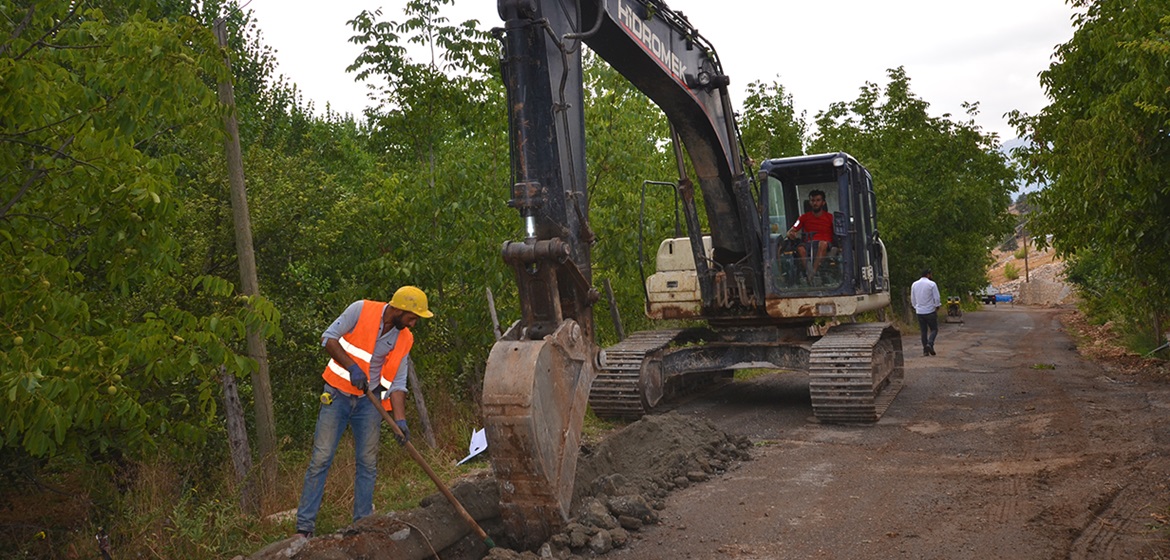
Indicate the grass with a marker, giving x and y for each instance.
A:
(751, 373)
(1142, 339)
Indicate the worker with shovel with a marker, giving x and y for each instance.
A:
(369, 345)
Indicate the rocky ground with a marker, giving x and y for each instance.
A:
(1040, 279)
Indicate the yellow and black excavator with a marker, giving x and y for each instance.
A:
(757, 295)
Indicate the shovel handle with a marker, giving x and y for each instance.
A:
(418, 458)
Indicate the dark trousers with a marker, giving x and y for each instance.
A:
(928, 322)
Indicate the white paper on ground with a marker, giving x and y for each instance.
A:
(478, 444)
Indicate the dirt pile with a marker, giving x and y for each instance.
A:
(622, 482)
(620, 486)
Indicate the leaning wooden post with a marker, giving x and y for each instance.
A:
(492, 310)
(420, 404)
(249, 285)
(613, 312)
(237, 434)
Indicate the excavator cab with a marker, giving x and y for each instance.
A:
(841, 277)
(803, 279)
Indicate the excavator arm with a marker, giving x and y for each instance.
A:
(538, 375)
(665, 57)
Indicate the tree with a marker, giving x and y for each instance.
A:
(628, 143)
(769, 123)
(98, 357)
(440, 127)
(1102, 147)
(943, 188)
(438, 210)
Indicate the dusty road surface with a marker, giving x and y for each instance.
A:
(1004, 445)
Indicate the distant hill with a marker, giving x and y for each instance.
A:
(1042, 269)
(1012, 144)
(1006, 148)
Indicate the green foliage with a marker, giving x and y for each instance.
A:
(436, 217)
(1101, 147)
(426, 105)
(943, 188)
(117, 250)
(753, 373)
(770, 127)
(1020, 253)
(629, 142)
(101, 352)
(1010, 271)
(1010, 243)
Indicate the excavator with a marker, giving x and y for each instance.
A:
(759, 300)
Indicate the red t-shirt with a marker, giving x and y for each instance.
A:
(821, 227)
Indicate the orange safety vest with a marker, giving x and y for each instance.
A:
(359, 345)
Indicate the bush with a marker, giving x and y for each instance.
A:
(1010, 271)
(1021, 252)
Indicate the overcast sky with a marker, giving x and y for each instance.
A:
(989, 51)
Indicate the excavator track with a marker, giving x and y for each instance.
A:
(620, 390)
(855, 371)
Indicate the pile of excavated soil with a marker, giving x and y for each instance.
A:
(620, 485)
(658, 453)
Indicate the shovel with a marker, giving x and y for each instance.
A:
(414, 454)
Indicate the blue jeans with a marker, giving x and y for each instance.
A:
(928, 322)
(332, 419)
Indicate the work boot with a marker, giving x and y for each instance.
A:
(931, 349)
(926, 351)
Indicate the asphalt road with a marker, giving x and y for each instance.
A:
(1004, 445)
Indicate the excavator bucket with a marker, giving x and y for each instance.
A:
(535, 395)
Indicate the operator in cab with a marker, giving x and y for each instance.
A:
(817, 225)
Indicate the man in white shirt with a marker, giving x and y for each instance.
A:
(925, 300)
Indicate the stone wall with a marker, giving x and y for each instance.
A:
(1045, 286)
(1044, 292)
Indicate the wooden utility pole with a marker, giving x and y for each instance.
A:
(1027, 275)
(249, 285)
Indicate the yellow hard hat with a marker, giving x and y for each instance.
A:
(412, 299)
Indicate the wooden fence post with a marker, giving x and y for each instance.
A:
(420, 404)
(492, 309)
(237, 434)
(613, 312)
